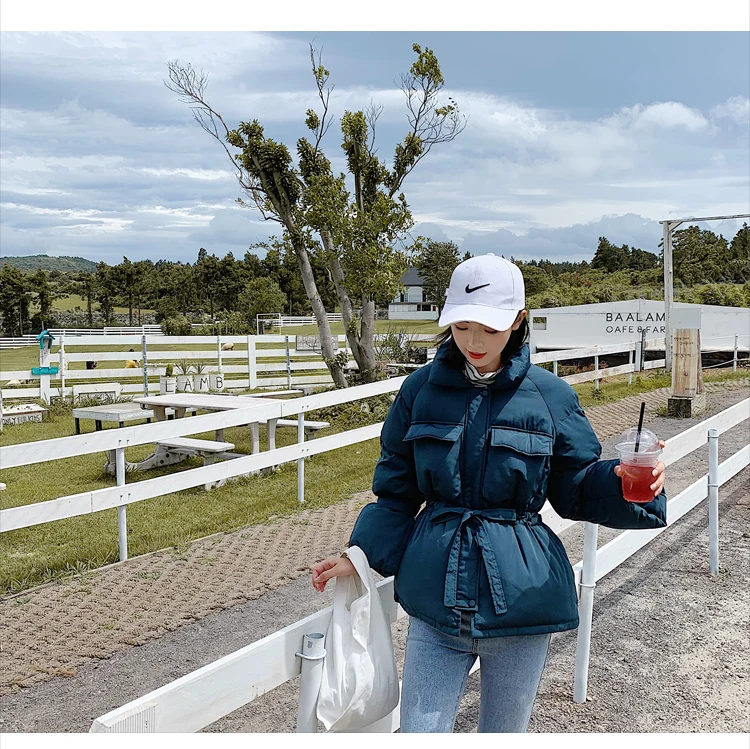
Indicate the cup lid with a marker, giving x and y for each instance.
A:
(648, 443)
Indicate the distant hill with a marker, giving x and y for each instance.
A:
(63, 263)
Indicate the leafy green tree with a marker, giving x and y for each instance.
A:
(535, 280)
(261, 296)
(739, 255)
(356, 234)
(14, 301)
(699, 255)
(642, 260)
(609, 257)
(106, 290)
(436, 262)
(41, 288)
(85, 287)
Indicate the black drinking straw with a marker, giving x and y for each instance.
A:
(640, 425)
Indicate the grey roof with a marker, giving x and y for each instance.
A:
(412, 278)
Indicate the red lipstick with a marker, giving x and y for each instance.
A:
(476, 356)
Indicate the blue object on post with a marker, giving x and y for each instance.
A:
(45, 339)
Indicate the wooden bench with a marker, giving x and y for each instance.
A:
(107, 388)
(184, 447)
(311, 427)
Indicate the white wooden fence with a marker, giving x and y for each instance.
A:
(149, 350)
(289, 372)
(245, 362)
(202, 697)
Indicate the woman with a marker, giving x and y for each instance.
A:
(481, 437)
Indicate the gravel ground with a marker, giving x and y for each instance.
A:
(670, 642)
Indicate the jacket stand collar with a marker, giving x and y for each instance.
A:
(442, 373)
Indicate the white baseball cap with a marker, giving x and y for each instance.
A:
(485, 289)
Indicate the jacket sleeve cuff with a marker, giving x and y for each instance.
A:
(604, 501)
(382, 531)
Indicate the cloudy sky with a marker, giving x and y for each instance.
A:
(571, 135)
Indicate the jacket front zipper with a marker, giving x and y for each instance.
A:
(486, 449)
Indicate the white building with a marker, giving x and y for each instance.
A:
(619, 322)
(410, 303)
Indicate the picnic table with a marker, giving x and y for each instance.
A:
(120, 413)
(180, 402)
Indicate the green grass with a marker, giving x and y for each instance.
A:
(19, 359)
(31, 556)
(74, 300)
(429, 327)
(617, 388)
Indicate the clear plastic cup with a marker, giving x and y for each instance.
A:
(637, 467)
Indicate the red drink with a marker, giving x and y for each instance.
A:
(636, 482)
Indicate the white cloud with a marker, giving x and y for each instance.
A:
(667, 115)
(736, 108)
(99, 158)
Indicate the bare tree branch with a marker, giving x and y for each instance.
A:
(372, 113)
(324, 94)
(190, 86)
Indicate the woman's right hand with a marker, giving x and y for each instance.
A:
(323, 571)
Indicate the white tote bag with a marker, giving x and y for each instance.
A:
(360, 681)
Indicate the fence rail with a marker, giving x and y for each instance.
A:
(288, 372)
(202, 697)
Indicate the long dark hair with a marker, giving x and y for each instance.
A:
(456, 359)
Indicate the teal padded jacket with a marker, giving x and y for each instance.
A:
(482, 461)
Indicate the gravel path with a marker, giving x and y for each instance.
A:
(669, 650)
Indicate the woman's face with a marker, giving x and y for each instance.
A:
(482, 346)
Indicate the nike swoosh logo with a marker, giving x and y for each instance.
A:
(469, 291)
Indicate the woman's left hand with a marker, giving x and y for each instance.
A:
(658, 473)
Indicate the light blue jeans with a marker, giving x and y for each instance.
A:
(437, 665)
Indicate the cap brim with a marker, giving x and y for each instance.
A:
(492, 317)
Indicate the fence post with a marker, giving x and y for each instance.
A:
(596, 369)
(640, 352)
(554, 367)
(252, 376)
(630, 361)
(301, 461)
(44, 386)
(218, 351)
(62, 365)
(734, 360)
(312, 655)
(288, 365)
(585, 612)
(122, 510)
(713, 500)
(145, 364)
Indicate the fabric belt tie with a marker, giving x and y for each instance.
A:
(479, 520)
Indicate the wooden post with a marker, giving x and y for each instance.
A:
(145, 365)
(688, 398)
(734, 360)
(667, 227)
(44, 386)
(301, 461)
(252, 370)
(596, 369)
(630, 361)
(122, 510)
(62, 365)
(288, 365)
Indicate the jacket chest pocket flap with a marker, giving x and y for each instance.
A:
(436, 457)
(518, 463)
